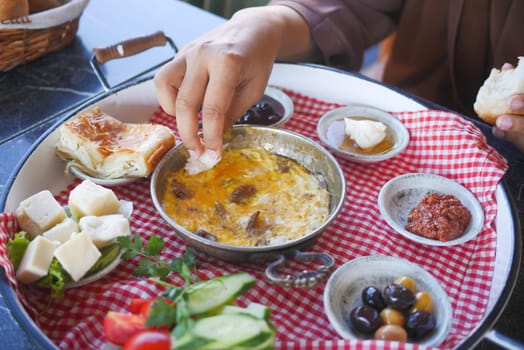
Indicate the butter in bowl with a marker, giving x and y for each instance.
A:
(362, 133)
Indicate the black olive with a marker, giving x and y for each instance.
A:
(420, 323)
(373, 297)
(365, 319)
(398, 297)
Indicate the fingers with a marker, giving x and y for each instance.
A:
(216, 101)
(167, 81)
(516, 104)
(510, 127)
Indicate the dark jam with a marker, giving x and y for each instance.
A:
(267, 111)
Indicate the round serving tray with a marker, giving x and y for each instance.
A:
(323, 83)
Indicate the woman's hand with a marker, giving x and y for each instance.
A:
(225, 72)
(510, 127)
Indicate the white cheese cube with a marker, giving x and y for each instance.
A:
(77, 255)
(36, 260)
(89, 198)
(62, 231)
(39, 213)
(104, 230)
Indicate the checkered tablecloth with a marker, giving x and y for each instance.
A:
(441, 143)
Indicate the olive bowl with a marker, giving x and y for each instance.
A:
(343, 292)
(284, 143)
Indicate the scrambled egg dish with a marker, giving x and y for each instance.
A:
(250, 198)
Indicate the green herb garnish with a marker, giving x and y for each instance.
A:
(172, 307)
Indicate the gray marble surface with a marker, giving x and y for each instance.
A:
(34, 96)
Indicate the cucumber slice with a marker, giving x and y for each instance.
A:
(226, 331)
(255, 309)
(210, 296)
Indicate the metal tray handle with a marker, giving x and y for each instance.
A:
(128, 48)
(306, 278)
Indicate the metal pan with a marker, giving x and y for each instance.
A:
(285, 143)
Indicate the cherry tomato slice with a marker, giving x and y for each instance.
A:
(137, 305)
(119, 327)
(149, 340)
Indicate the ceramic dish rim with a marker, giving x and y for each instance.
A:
(473, 229)
(374, 113)
(419, 273)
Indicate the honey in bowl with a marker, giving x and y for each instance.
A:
(336, 136)
(252, 197)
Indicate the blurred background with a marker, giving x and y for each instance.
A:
(372, 66)
(226, 8)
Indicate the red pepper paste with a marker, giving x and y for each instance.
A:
(439, 216)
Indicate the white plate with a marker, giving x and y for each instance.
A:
(401, 194)
(331, 131)
(344, 289)
(102, 182)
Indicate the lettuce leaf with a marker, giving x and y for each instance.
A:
(56, 279)
(16, 248)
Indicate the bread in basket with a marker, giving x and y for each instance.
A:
(32, 28)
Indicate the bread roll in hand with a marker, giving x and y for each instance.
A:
(494, 95)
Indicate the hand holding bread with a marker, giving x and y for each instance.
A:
(500, 102)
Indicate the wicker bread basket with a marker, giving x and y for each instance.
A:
(27, 38)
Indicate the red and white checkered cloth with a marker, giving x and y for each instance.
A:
(441, 143)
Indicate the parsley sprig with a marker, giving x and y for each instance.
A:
(172, 306)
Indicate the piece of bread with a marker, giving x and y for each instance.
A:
(494, 95)
(205, 162)
(10, 9)
(104, 147)
(42, 5)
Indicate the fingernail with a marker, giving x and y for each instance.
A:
(213, 154)
(504, 123)
(506, 66)
(516, 104)
(497, 133)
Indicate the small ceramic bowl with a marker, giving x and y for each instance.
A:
(402, 193)
(281, 104)
(344, 289)
(102, 182)
(331, 131)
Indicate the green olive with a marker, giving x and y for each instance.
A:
(423, 302)
(392, 316)
(407, 282)
(391, 332)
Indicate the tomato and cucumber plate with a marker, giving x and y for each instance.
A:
(201, 315)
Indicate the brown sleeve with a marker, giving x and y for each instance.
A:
(343, 29)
